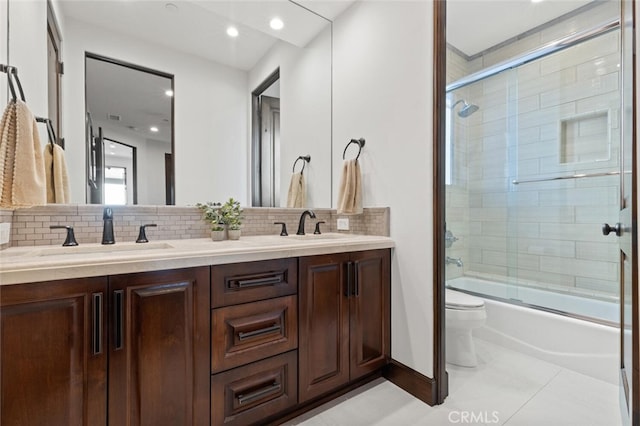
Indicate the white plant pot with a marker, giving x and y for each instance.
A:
(234, 234)
(217, 235)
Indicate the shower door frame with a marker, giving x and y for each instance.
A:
(440, 90)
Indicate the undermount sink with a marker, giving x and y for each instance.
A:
(327, 236)
(91, 249)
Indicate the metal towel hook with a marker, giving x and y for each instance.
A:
(13, 71)
(306, 159)
(360, 142)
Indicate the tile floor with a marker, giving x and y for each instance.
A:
(507, 388)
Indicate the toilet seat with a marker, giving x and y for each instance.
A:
(461, 301)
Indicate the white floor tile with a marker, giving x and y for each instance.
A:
(501, 384)
(506, 388)
(571, 399)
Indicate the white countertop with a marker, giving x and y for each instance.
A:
(47, 263)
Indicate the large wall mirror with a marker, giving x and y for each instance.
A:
(216, 53)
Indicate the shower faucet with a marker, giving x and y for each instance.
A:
(455, 261)
(449, 238)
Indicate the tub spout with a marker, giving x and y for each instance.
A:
(455, 261)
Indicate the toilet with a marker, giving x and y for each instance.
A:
(463, 314)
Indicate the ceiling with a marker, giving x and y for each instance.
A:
(476, 25)
(139, 99)
(198, 27)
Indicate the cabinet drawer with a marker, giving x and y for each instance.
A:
(253, 392)
(247, 282)
(245, 333)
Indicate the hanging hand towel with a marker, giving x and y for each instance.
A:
(55, 167)
(22, 176)
(297, 195)
(350, 195)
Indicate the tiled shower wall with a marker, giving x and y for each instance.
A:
(548, 118)
(30, 226)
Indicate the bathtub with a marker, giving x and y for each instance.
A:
(584, 346)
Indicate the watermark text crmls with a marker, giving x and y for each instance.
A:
(471, 417)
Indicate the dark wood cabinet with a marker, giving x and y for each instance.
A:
(228, 344)
(53, 353)
(145, 334)
(251, 393)
(344, 314)
(159, 348)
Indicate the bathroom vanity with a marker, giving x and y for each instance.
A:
(190, 331)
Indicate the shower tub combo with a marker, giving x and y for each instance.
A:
(539, 328)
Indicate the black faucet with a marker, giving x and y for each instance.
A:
(71, 238)
(142, 235)
(107, 230)
(304, 214)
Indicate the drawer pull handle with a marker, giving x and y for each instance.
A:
(118, 313)
(97, 324)
(242, 335)
(259, 281)
(243, 399)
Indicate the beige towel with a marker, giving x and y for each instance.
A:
(350, 195)
(297, 195)
(55, 167)
(22, 177)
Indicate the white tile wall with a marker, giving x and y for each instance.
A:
(540, 233)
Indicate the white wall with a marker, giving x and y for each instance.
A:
(4, 40)
(210, 139)
(28, 53)
(305, 112)
(382, 78)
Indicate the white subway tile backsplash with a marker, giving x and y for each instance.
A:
(31, 226)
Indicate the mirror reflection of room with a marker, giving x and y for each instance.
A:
(214, 72)
(131, 108)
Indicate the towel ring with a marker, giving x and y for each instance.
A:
(360, 142)
(306, 159)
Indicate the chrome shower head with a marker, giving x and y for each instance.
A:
(467, 109)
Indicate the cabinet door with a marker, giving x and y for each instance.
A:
(53, 353)
(370, 311)
(159, 348)
(324, 325)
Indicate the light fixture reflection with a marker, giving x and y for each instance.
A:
(232, 32)
(276, 24)
(154, 129)
(168, 92)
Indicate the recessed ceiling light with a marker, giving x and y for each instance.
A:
(276, 24)
(537, 1)
(168, 92)
(153, 129)
(112, 146)
(232, 32)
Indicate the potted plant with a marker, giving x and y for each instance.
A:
(232, 217)
(212, 213)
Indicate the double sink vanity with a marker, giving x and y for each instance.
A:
(182, 332)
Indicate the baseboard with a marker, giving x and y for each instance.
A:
(406, 378)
